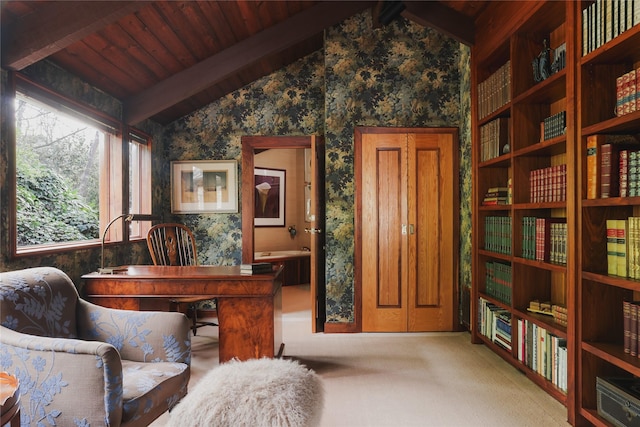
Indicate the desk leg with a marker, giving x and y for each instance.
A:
(246, 327)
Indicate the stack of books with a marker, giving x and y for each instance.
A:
(496, 196)
(256, 268)
(559, 314)
(536, 306)
(628, 92)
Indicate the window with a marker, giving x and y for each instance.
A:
(70, 179)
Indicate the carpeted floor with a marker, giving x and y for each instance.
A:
(416, 379)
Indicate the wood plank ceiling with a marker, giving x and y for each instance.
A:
(165, 59)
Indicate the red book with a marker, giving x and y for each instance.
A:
(623, 173)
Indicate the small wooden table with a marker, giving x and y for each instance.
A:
(249, 306)
(9, 400)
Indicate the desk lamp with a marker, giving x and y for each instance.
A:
(127, 218)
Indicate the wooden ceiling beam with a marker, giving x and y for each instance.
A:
(57, 25)
(446, 20)
(221, 66)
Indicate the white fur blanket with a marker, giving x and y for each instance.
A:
(259, 392)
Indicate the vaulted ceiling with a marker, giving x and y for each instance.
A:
(165, 59)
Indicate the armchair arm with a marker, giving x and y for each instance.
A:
(140, 336)
(64, 381)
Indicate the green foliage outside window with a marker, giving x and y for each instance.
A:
(57, 177)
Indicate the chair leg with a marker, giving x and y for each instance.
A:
(194, 318)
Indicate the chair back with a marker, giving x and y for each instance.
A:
(172, 244)
(39, 301)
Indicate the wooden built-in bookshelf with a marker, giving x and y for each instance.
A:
(529, 104)
(599, 295)
(586, 93)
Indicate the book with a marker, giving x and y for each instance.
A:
(256, 268)
(622, 247)
(626, 322)
(612, 247)
(594, 143)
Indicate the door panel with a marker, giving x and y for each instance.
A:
(384, 212)
(407, 240)
(432, 246)
(318, 309)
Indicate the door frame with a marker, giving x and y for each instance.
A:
(249, 146)
(359, 132)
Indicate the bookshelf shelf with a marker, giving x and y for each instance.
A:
(624, 48)
(550, 147)
(545, 92)
(615, 355)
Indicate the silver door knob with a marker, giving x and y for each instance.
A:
(313, 230)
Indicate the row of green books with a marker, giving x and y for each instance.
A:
(498, 282)
(623, 247)
(497, 234)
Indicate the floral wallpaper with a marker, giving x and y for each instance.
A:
(465, 182)
(402, 75)
(287, 102)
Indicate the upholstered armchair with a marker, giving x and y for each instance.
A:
(80, 364)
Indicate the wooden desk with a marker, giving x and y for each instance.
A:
(249, 306)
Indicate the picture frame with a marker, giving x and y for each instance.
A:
(204, 186)
(269, 197)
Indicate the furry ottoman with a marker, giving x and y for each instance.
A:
(258, 392)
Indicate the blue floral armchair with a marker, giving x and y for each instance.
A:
(80, 364)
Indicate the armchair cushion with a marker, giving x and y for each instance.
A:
(90, 365)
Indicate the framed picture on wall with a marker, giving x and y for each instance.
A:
(204, 186)
(269, 188)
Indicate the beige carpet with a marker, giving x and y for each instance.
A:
(417, 379)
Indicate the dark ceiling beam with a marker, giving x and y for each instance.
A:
(217, 68)
(57, 25)
(447, 21)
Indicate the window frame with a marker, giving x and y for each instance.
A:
(114, 193)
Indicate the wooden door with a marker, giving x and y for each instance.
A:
(316, 228)
(249, 145)
(408, 239)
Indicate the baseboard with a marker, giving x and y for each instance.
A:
(340, 328)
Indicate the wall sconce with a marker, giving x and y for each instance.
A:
(292, 231)
(127, 218)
